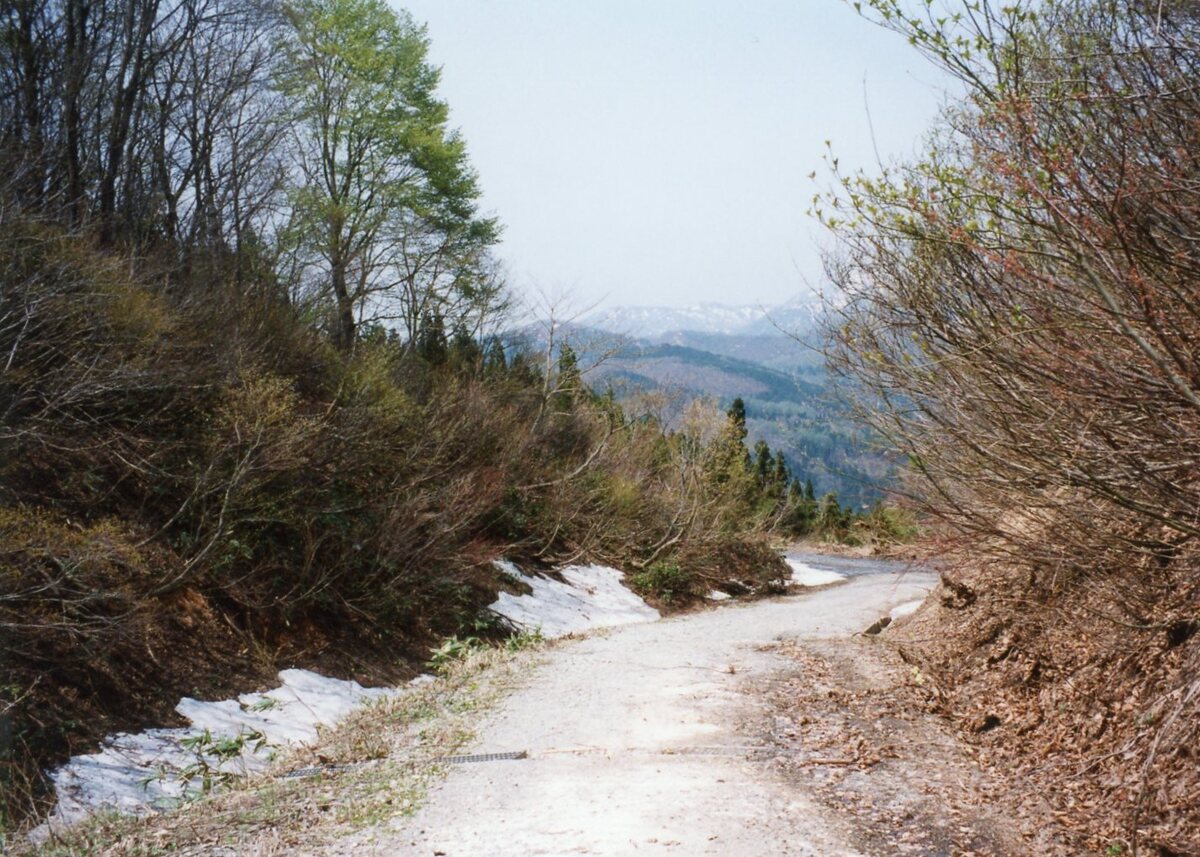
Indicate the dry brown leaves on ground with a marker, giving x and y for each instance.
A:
(1088, 690)
(851, 723)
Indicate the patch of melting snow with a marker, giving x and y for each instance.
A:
(589, 596)
(147, 772)
(718, 595)
(906, 609)
(806, 575)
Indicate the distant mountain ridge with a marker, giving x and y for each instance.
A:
(703, 372)
(658, 323)
(769, 357)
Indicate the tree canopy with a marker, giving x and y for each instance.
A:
(384, 218)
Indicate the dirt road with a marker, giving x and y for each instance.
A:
(645, 739)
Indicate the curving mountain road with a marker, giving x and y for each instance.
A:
(642, 740)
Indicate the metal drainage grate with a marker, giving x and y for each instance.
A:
(483, 757)
(440, 760)
(324, 769)
(748, 753)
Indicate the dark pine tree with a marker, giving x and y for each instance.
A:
(783, 474)
(737, 414)
(569, 384)
(465, 353)
(496, 359)
(431, 339)
(764, 464)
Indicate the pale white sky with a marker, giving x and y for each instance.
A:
(658, 151)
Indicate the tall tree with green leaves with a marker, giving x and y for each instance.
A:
(379, 178)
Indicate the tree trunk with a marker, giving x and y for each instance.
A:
(131, 74)
(344, 331)
(76, 62)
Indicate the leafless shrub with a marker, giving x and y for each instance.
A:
(1020, 307)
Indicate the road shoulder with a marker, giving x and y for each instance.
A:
(851, 726)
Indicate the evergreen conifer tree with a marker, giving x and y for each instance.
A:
(829, 514)
(782, 474)
(737, 416)
(496, 360)
(431, 341)
(764, 464)
(465, 353)
(569, 384)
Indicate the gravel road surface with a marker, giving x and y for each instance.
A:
(636, 740)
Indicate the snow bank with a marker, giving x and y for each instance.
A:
(148, 772)
(806, 575)
(143, 773)
(589, 596)
(906, 609)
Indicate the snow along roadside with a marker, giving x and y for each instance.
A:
(806, 575)
(587, 597)
(157, 770)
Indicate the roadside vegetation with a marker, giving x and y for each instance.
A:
(1020, 321)
(256, 404)
(372, 768)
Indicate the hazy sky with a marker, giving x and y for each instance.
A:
(658, 151)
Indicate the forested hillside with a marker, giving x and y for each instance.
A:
(797, 414)
(1022, 317)
(739, 352)
(253, 409)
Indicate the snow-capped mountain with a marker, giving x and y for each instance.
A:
(652, 322)
(769, 356)
(659, 323)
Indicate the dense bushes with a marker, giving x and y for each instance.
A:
(1021, 305)
(1020, 313)
(666, 581)
(287, 475)
(227, 457)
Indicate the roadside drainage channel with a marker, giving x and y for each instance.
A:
(748, 754)
(332, 768)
